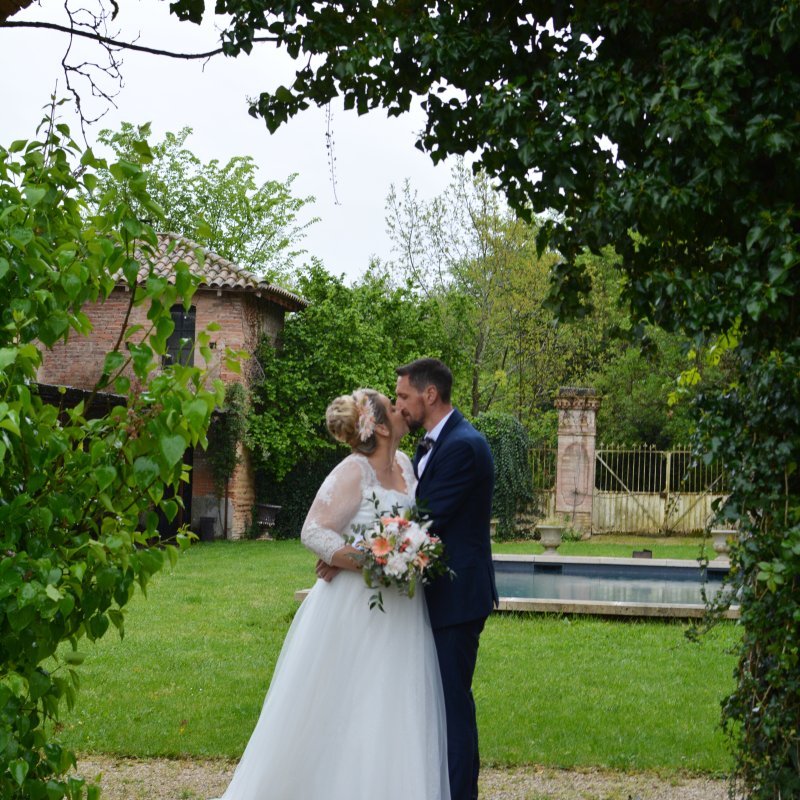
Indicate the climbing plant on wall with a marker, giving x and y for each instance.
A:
(513, 480)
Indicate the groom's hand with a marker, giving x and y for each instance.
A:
(326, 572)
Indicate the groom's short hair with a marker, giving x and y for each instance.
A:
(426, 372)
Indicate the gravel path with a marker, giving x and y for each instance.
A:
(181, 779)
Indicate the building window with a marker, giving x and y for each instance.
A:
(180, 345)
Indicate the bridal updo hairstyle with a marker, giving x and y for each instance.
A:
(351, 416)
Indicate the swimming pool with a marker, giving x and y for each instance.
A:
(608, 586)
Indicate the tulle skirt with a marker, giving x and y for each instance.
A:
(355, 709)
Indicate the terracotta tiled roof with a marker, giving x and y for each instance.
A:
(215, 271)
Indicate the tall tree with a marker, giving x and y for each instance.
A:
(349, 336)
(221, 206)
(667, 131)
(458, 250)
(466, 251)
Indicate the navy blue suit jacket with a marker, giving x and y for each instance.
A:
(456, 492)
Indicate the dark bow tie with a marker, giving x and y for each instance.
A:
(424, 445)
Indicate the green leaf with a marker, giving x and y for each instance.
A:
(8, 355)
(105, 476)
(19, 770)
(67, 605)
(142, 149)
(124, 170)
(98, 551)
(42, 519)
(113, 361)
(172, 554)
(196, 413)
(39, 684)
(130, 269)
(88, 159)
(34, 195)
(133, 227)
(145, 470)
(173, 448)
(170, 509)
(72, 285)
(21, 236)
(17, 685)
(118, 620)
(75, 657)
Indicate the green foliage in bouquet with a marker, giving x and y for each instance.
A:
(397, 550)
(79, 488)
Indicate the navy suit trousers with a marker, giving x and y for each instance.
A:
(457, 649)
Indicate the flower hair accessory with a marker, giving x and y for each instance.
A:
(366, 415)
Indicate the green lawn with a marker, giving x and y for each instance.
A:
(190, 675)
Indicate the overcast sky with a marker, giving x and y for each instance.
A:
(372, 152)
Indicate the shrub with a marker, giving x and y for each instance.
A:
(513, 481)
(295, 493)
(79, 493)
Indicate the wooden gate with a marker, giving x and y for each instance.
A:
(646, 490)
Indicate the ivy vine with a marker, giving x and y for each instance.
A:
(513, 481)
(227, 429)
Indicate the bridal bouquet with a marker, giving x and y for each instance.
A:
(398, 551)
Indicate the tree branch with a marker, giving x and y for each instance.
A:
(108, 40)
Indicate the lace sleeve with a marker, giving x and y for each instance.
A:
(335, 505)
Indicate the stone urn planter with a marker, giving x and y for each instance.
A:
(721, 540)
(265, 518)
(550, 537)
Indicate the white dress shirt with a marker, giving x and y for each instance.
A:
(434, 435)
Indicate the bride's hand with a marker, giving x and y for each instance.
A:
(326, 572)
(347, 557)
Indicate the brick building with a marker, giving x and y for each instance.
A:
(243, 307)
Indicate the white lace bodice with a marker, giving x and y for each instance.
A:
(345, 499)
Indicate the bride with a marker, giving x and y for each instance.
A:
(355, 709)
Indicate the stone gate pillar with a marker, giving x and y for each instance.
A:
(577, 411)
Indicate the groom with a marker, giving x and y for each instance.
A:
(456, 476)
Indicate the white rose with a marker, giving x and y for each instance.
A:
(396, 566)
(416, 537)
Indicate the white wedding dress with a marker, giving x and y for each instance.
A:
(355, 709)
